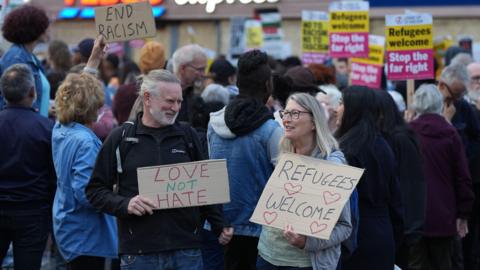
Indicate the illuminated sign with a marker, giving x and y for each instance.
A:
(85, 9)
(107, 2)
(210, 5)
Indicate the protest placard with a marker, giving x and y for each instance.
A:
(348, 28)
(125, 21)
(185, 184)
(440, 46)
(306, 193)
(409, 46)
(253, 34)
(314, 37)
(368, 71)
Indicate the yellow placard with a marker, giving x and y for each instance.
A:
(315, 36)
(376, 55)
(349, 21)
(411, 37)
(254, 37)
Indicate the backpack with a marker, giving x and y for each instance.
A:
(127, 139)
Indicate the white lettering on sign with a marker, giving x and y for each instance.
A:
(210, 5)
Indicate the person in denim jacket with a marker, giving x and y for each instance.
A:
(245, 133)
(25, 27)
(85, 236)
(306, 133)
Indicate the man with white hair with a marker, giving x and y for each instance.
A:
(148, 239)
(471, 243)
(189, 64)
(453, 84)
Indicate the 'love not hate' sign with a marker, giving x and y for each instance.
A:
(185, 184)
(125, 22)
(306, 193)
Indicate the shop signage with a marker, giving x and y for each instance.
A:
(210, 5)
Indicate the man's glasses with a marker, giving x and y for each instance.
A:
(453, 96)
(475, 79)
(292, 114)
(197, 69)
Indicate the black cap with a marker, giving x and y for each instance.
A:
(85, 47)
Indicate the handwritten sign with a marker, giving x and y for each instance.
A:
(125, 22)
(306, 193)
(185, 184)
(409, 46)
(348, 29)
(314, 36)
(368, 71)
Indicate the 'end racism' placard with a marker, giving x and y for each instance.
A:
(306, 193)
(185, 184)
(368, 71)
(125, 21)
(409, 46)
(349, 25)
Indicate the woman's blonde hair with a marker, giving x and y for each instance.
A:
(326, 143)
(78, 99)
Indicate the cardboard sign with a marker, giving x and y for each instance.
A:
(125, 22)
(349, 25)
(306, 193)
(368, 71)
(185, 184)
(409, 46)
(314, 36)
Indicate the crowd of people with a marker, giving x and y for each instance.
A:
(75, 127)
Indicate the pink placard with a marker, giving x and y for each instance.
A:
(348, 44)
(366, 75)
(410, 64)
(314, 58)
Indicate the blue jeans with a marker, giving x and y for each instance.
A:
(183, 259)
(27, 230)
(264, 265)
(212, 252)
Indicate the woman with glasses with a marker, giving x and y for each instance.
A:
(306, 133)
(379, 198)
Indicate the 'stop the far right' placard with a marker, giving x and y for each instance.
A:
(409, 46)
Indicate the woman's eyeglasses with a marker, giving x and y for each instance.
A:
(293, 114)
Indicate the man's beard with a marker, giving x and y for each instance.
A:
(162, 118)
(474, 95)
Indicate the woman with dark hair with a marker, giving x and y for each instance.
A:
(379, 199)
(25, 27)
(406, 149)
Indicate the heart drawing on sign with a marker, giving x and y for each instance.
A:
(315, 227)
(269, 217)
(291, 188)
(330, 197)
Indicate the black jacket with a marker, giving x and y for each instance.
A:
(412, 182)
(166, 229)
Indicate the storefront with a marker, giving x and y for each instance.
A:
(208, 22)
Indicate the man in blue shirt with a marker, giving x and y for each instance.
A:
(27, 176)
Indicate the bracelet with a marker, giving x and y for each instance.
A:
(90, 70)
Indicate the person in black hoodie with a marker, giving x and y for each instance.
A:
(406, 149)
(379, 196)
(148, 239)
(245, 133)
